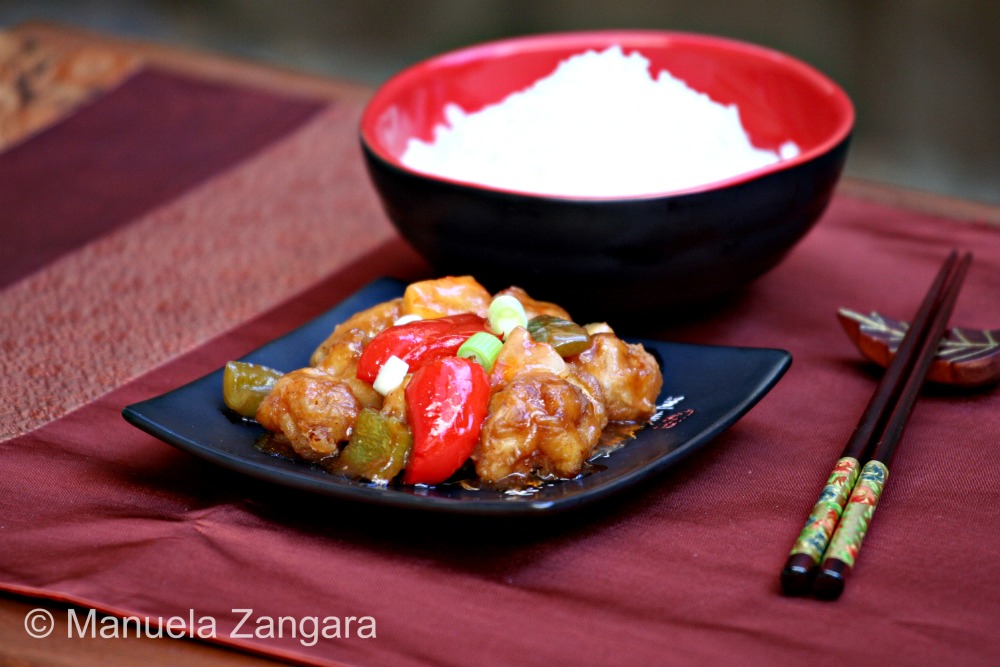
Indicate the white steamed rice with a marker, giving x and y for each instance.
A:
(599, 125)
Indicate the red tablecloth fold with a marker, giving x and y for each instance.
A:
(682, 570)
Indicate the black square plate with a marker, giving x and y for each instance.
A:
(706, 389)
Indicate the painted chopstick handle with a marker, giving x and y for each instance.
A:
(846, 541)
(796, 577)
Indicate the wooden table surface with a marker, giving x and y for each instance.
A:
(80, 63)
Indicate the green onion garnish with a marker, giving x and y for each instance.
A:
(483, 348)
(506, 313)
(391, 375)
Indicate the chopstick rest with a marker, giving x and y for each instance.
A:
(837, 505)
(966, 357)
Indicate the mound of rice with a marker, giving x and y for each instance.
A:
(599, 126)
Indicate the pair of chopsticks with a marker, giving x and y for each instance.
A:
(828, 546)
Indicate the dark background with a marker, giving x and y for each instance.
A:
(924, 74)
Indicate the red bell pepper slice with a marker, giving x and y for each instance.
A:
(418, 342)
(446, 403)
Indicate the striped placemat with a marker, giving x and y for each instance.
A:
(157, 216)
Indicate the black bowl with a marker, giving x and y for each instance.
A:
(655, 256)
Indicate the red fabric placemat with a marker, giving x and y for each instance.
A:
(682, 570)
(208, 233)
(145, 142)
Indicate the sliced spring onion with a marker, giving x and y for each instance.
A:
(406, 319)
(595, 328)
(506, 313)
(483, 348)
(391, 375)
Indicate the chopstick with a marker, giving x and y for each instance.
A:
(846, 541)
(845, 503)
(809, 548)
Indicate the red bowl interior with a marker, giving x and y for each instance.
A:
(780, 98)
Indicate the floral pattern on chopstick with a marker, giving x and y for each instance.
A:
(846, 542)
(826, 512)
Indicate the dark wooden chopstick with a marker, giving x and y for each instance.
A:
(809, 549)
(846, 541)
